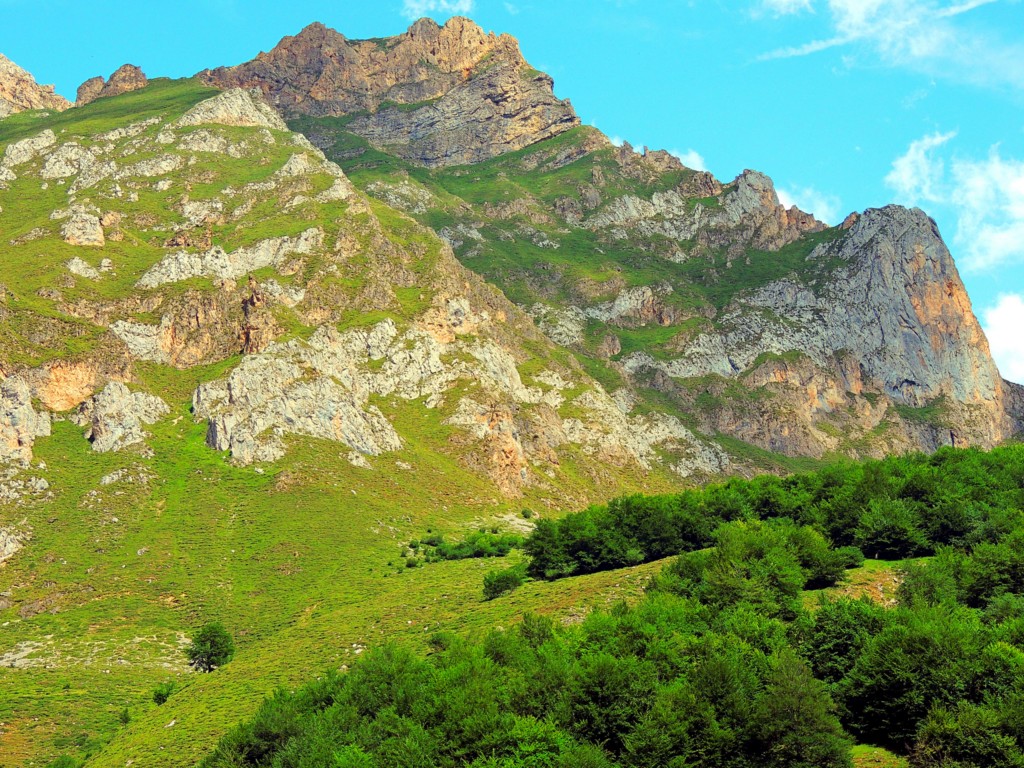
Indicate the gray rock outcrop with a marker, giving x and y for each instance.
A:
(217, 263)
(892, 317)
(20, 424)
(114, 417)
(237, 107)
(83, 229)
(11, 541)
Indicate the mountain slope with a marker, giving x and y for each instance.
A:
(244, 363)
(759, 323)
(205, 329)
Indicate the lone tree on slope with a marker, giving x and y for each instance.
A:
(211, 647)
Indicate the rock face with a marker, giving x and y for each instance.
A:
(435, 95)
(114, 417)
(892, 318)
(237, 107)
(20, 424)
(322, 387)
(10, 542)
(747, 214)
(83, 229)
(127, 78)
(19, 91)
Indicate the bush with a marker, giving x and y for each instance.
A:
(498, 583)
(163, 692)
(211, 647)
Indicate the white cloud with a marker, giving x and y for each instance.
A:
(918, 174)
(415, 9)
(825, 207)
(1003, 324)
(785, 7)
(690, 158)
(924, 35)
(989, 196)
(986, 196)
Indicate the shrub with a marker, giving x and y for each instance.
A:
(163, 692)
(498, 583)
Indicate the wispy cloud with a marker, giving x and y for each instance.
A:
(414, 9)
(918, 174)
(985, 195)
(691, 158)
(1002, 323)
(825, 207)
(924, 35)
(783, 7)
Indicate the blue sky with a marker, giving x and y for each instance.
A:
(847, 104)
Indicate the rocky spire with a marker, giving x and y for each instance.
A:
(437, 95)
(127, 78)
(19, 91)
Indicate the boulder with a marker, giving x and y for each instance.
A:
(114, 417)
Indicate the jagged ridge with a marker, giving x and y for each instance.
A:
(436, 95)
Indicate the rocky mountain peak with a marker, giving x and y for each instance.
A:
(126, 78)
(19, 91)
(436, 95)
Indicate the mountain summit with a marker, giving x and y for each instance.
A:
(19, 91)
(435, 95)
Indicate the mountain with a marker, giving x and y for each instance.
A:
(756, 322)
(438, 96)
(262, 329)
(19, 91)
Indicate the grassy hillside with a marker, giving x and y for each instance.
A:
(302, 559)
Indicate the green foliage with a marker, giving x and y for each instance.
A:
(163, 692)
(477, 544)
(722, 664)
(212, 646)
(649, 686)
(498, 583)
(894, 509)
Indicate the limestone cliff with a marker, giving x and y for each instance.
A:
(758, 321)
(19, 91)
(435, 95)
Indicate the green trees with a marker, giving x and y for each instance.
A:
(725, 663)
(899, 508)
(211, 647)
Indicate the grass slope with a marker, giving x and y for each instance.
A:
(301, 560)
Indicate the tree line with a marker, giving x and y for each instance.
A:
(726, 662)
